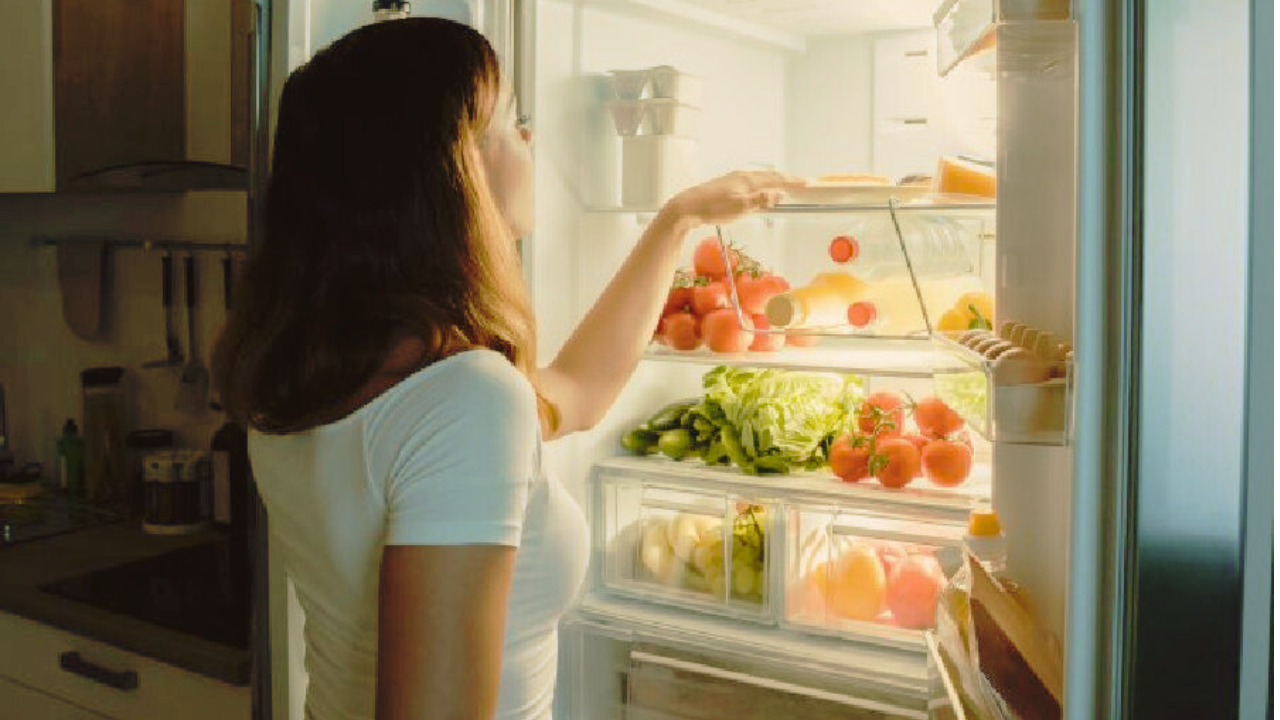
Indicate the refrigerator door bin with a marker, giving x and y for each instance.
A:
(1017, 405)
(705, 549)
(626, 661)
(865, 575)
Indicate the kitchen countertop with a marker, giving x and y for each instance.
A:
(26, 566)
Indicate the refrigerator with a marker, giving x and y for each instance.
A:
(1130, 144)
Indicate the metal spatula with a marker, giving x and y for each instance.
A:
(193, 385)
(173, 346)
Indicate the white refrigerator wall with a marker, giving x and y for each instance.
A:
(575, 251)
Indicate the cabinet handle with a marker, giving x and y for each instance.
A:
(915, 121)
(76, 665)
(915, 53)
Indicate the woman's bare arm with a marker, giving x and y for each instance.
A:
(593, 366)
(441, 611)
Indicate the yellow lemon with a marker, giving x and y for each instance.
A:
(953, 321)
(980, 301)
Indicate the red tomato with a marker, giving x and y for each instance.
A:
(799, 340)
(920, 441)
(843, 249)
(912, 593)
(658, 331)
(881, 409)
(947, 463)
(935, 418)
(708, 260)
(862, 314)
(678, 299)
(681, 330)
(723, 332)
(895, 462)
(754, 292)
(849, 463)
(765, 342)
(709, 298)
(776, 284)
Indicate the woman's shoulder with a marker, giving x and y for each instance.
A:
(471, 381)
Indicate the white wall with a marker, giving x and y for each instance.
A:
(828, 105)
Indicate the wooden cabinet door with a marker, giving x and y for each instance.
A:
(119, 84)
(26, 113)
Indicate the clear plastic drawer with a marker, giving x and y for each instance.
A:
(864, 575)
(707, 550)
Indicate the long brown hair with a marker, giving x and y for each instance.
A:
(380, 224)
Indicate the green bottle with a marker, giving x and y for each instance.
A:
(71, 461)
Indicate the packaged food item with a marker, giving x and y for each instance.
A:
(961, 177)
(824, 302)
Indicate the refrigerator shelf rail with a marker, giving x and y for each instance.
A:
(816, 487)
(1022, 414)
(879, 357)
(940, 205)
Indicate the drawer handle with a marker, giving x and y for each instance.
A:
(915, 121)
(76, 665)
(915, 53)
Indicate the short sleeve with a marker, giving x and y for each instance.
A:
(463, 471)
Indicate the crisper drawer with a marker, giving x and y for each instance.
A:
(705, 549)
(111, 681)
(864, 575)
(614, 669)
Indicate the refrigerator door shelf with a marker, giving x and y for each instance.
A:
(928, 204)
(1032, 413)
(918, 499)
(866, 576)
(701, 549)
(622, 659)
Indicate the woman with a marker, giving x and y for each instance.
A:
(382, 354)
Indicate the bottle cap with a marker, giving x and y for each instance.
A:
(783, 310)
(984, 523)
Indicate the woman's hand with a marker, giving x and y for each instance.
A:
(729, 197)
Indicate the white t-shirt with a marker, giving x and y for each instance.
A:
(448, 456)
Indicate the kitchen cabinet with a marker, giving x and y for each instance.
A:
(25, 702)
(62, 675)
(98, 84)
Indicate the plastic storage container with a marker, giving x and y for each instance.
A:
(668, 82)
(668, 117)
(655, 167)
(867, 575)
(627, 115)
(629, 84)
(702, 549)
(106, 464)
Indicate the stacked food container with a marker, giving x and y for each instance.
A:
(655, 112)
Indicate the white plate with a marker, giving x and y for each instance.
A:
(852, 194)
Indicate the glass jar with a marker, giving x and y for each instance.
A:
(106, 462)
(142, 443)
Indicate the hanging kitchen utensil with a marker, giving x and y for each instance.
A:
(228, 268)
(193, 386)
(83, 280)
(173, 347)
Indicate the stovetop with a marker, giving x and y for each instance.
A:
(202, 590)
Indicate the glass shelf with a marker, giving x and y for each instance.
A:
(815, 487)
(865, 356)
(969, 207)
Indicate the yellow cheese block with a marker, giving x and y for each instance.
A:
(955, 176)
